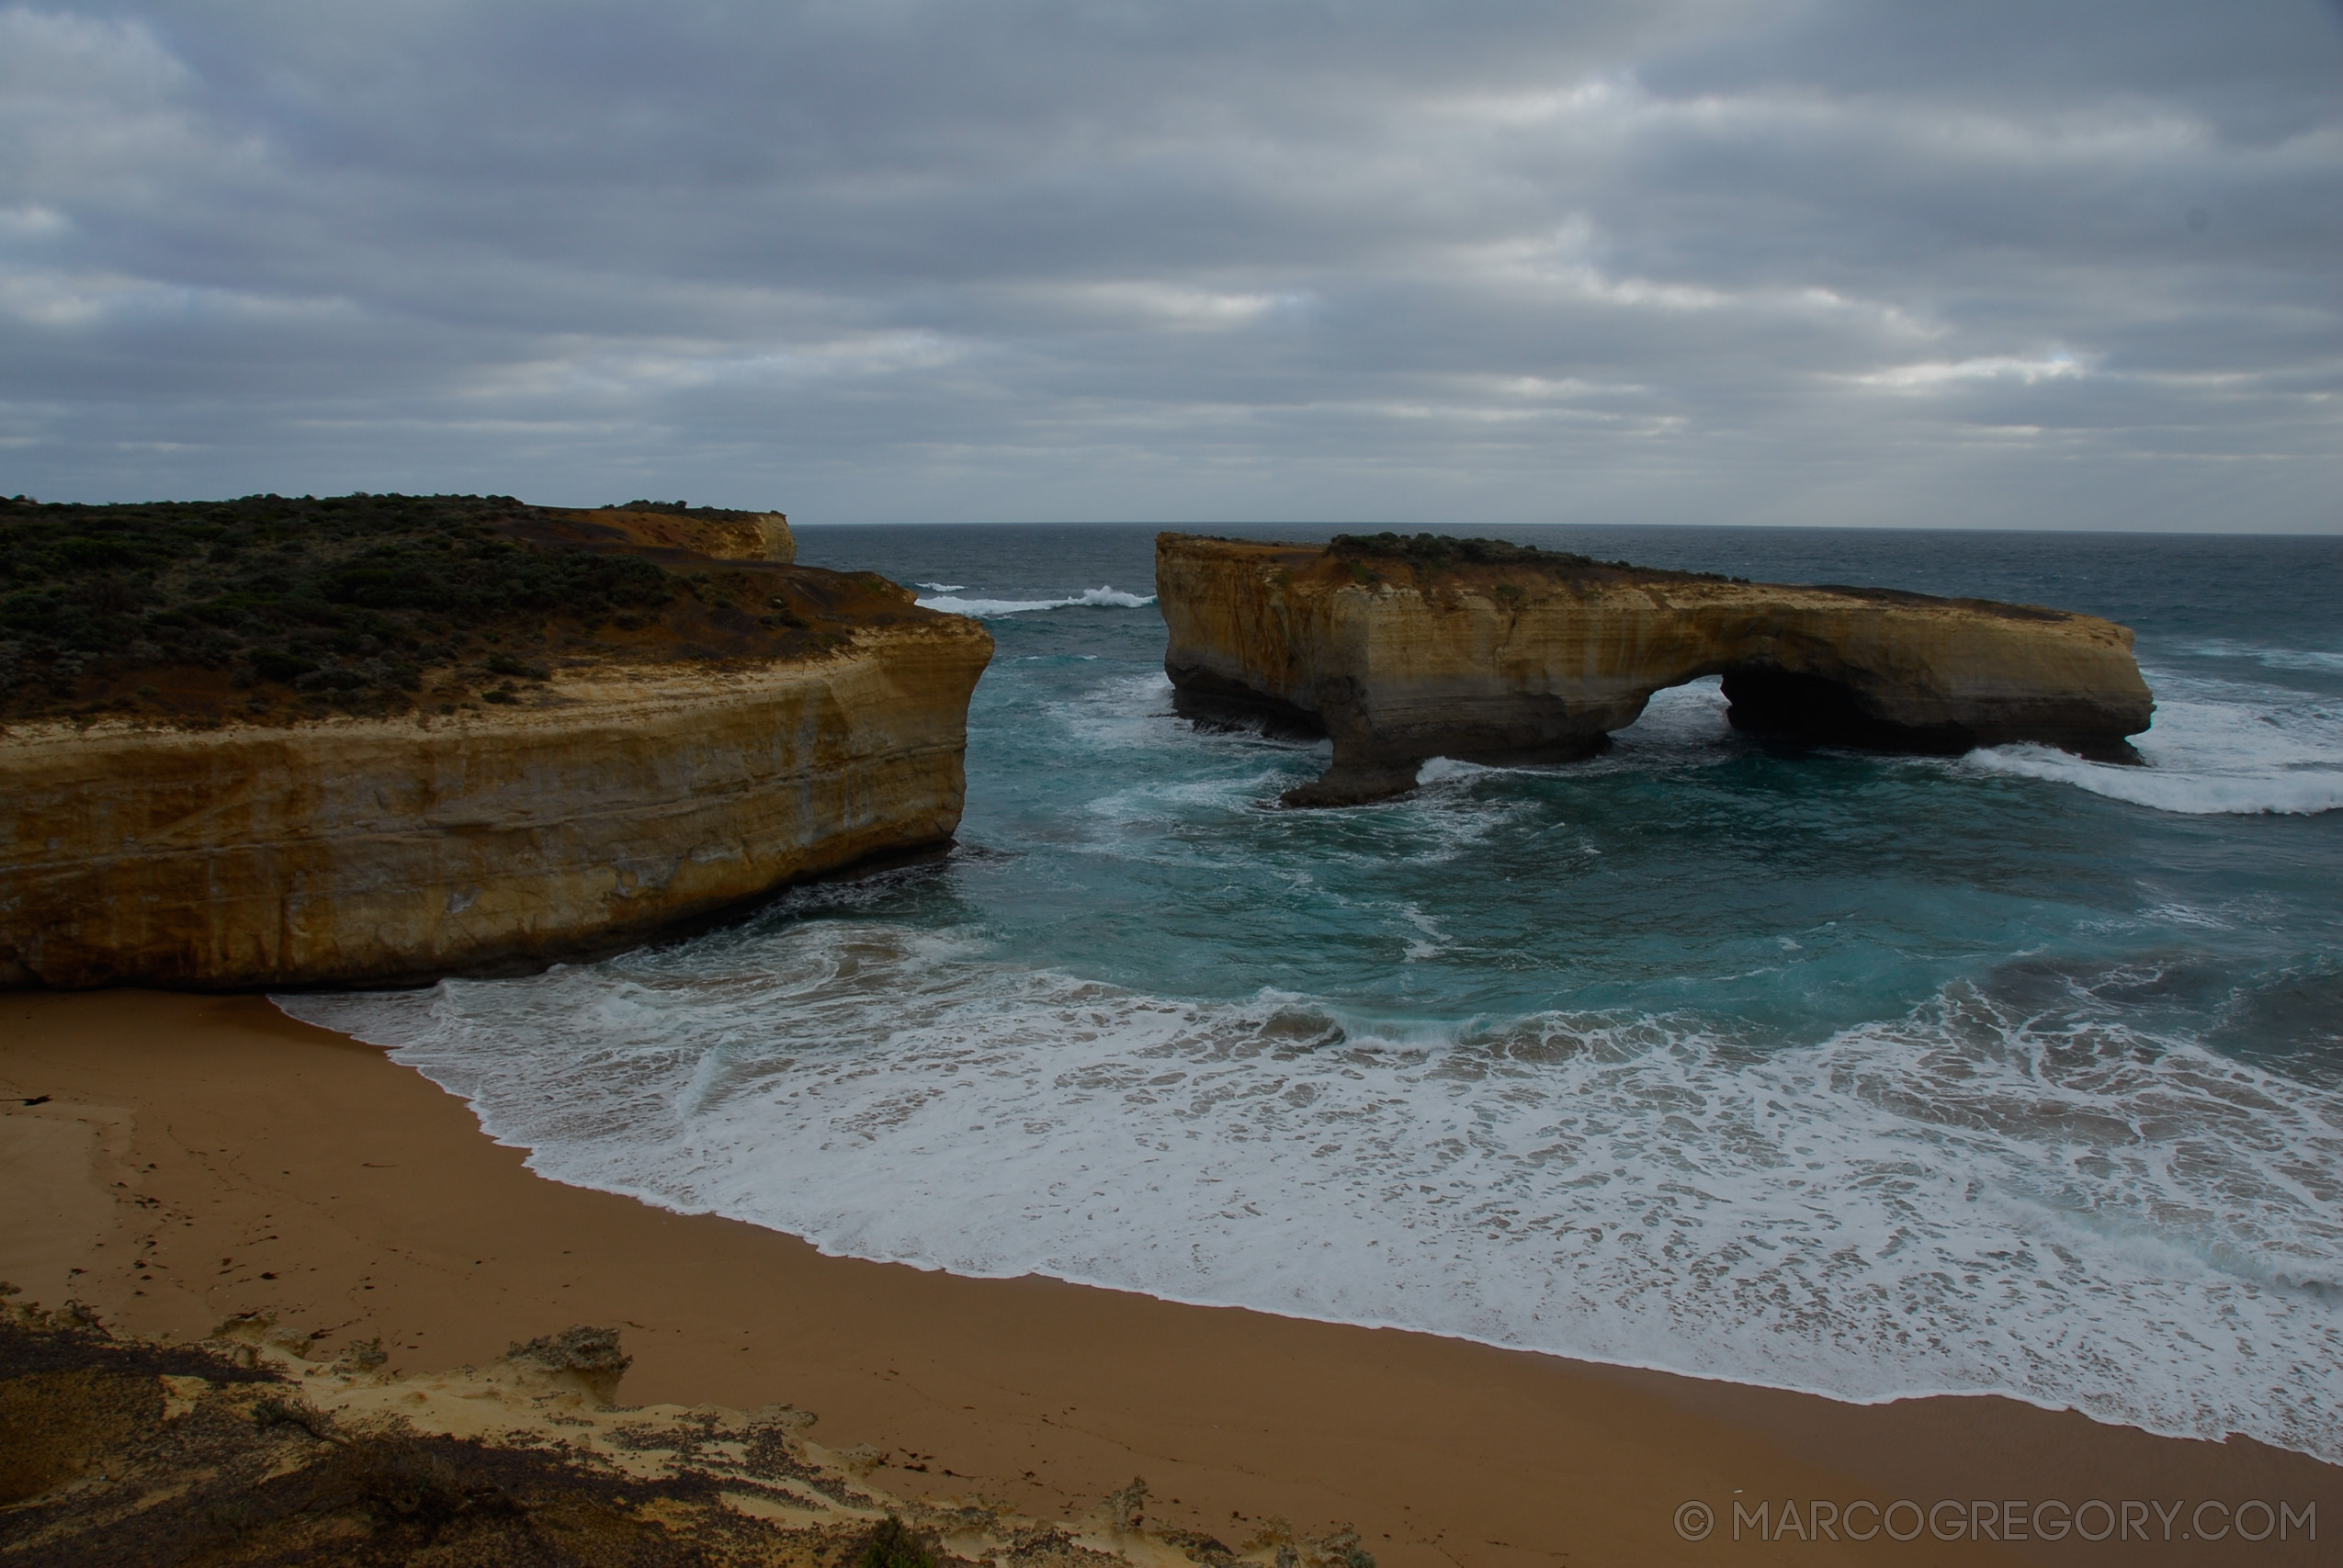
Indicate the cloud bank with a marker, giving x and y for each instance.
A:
(1697, 261)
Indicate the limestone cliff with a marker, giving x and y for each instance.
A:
(608, 804)
(1406, 650)
(377, 740)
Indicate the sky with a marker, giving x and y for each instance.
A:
(2059, 264)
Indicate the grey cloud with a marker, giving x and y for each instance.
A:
(1737, 260)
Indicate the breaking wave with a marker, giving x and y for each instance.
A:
(1099, 598)
(1991, 1193)
(2216, 747)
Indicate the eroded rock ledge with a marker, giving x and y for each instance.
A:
(1402, 651)
(614, 803)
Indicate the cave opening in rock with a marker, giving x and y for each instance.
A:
(1815, 710)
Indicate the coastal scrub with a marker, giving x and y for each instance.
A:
(279, 607)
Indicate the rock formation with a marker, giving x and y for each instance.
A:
(1406, 650)
(251, 1448)
(348, 850)
(709, 531)
(768, 724)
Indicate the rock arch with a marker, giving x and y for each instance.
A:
(1527, 656)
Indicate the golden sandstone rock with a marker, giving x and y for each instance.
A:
(611, 802)
(389, 772)
(1406, 650)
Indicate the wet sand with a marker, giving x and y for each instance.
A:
(197, 1157)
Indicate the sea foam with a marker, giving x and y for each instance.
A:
(2216, 747)
(1103, 597)
(2011, 1191)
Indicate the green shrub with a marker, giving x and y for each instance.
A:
(331, 597)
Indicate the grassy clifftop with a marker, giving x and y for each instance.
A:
(275, 608)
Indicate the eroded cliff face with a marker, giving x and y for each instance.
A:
(719, 536)
(1523, 662)
(602, 804)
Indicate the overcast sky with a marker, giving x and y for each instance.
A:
(2006, 264)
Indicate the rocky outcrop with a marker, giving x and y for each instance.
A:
(716, 534)
(598, 806)
(1486, 652)
(252, 1448)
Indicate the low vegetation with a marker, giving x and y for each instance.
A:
(685, 509)
(300, 606)
(1436, 553)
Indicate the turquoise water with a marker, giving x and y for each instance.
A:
(1867, 1076)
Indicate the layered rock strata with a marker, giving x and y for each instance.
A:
(602, 804)
(1535, 656)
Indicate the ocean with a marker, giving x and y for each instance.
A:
(1865, 1076)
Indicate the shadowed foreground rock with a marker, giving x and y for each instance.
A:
(1403, 649)
(242, 1451)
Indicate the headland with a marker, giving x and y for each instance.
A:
(373, 740)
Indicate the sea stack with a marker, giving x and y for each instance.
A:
(378, 744)
(1405, 649)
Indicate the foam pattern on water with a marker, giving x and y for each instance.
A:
(2216, 747)
(2012, 1191)
(1105, 597)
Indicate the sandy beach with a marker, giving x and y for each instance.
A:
(171, 1159)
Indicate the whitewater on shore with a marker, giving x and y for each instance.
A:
(1865, 1076)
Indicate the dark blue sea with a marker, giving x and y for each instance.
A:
(1868, 1075)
